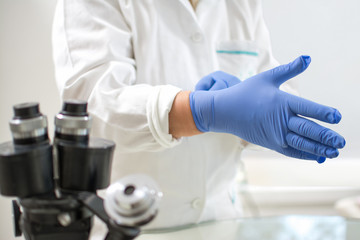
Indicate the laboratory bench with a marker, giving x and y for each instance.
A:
(292, 227)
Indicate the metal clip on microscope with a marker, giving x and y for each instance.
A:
(55, 185)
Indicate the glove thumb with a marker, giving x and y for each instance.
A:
(216, 81)
(282, 73)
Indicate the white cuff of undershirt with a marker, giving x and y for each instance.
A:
(158, 107)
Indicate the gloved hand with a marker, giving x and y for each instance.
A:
(258, 112)
(216, 81)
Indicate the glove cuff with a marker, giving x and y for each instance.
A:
(197, 102)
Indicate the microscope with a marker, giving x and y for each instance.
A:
(55, 184)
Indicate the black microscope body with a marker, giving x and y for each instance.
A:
(55, 183)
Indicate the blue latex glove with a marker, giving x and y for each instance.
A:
(216, 81)
(258, 112)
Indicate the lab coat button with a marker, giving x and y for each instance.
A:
(196, 203)
(197, 37)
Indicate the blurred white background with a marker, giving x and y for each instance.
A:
(26, 71)
(327, 30)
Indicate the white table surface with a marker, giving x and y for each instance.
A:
(269, 228)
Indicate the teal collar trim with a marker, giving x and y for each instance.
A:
(238, 52)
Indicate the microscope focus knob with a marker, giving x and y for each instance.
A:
(133, 200)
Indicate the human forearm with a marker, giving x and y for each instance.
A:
(181, 122)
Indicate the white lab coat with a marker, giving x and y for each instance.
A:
(129, 58)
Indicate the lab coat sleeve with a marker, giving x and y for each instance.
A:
(94, 61)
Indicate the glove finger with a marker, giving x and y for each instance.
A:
(282, 73)
(217, 81)
(223, 80)
(218, 85)
(316, 132)
(312, 109)
(205, 83)
(232, 80)
(310, 146)
(294, 153)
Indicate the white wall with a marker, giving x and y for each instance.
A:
(328, 30)
(26, 71)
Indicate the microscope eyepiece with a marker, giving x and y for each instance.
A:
(26, 110)
(74, 108)
(28, 125)
(73, 123)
